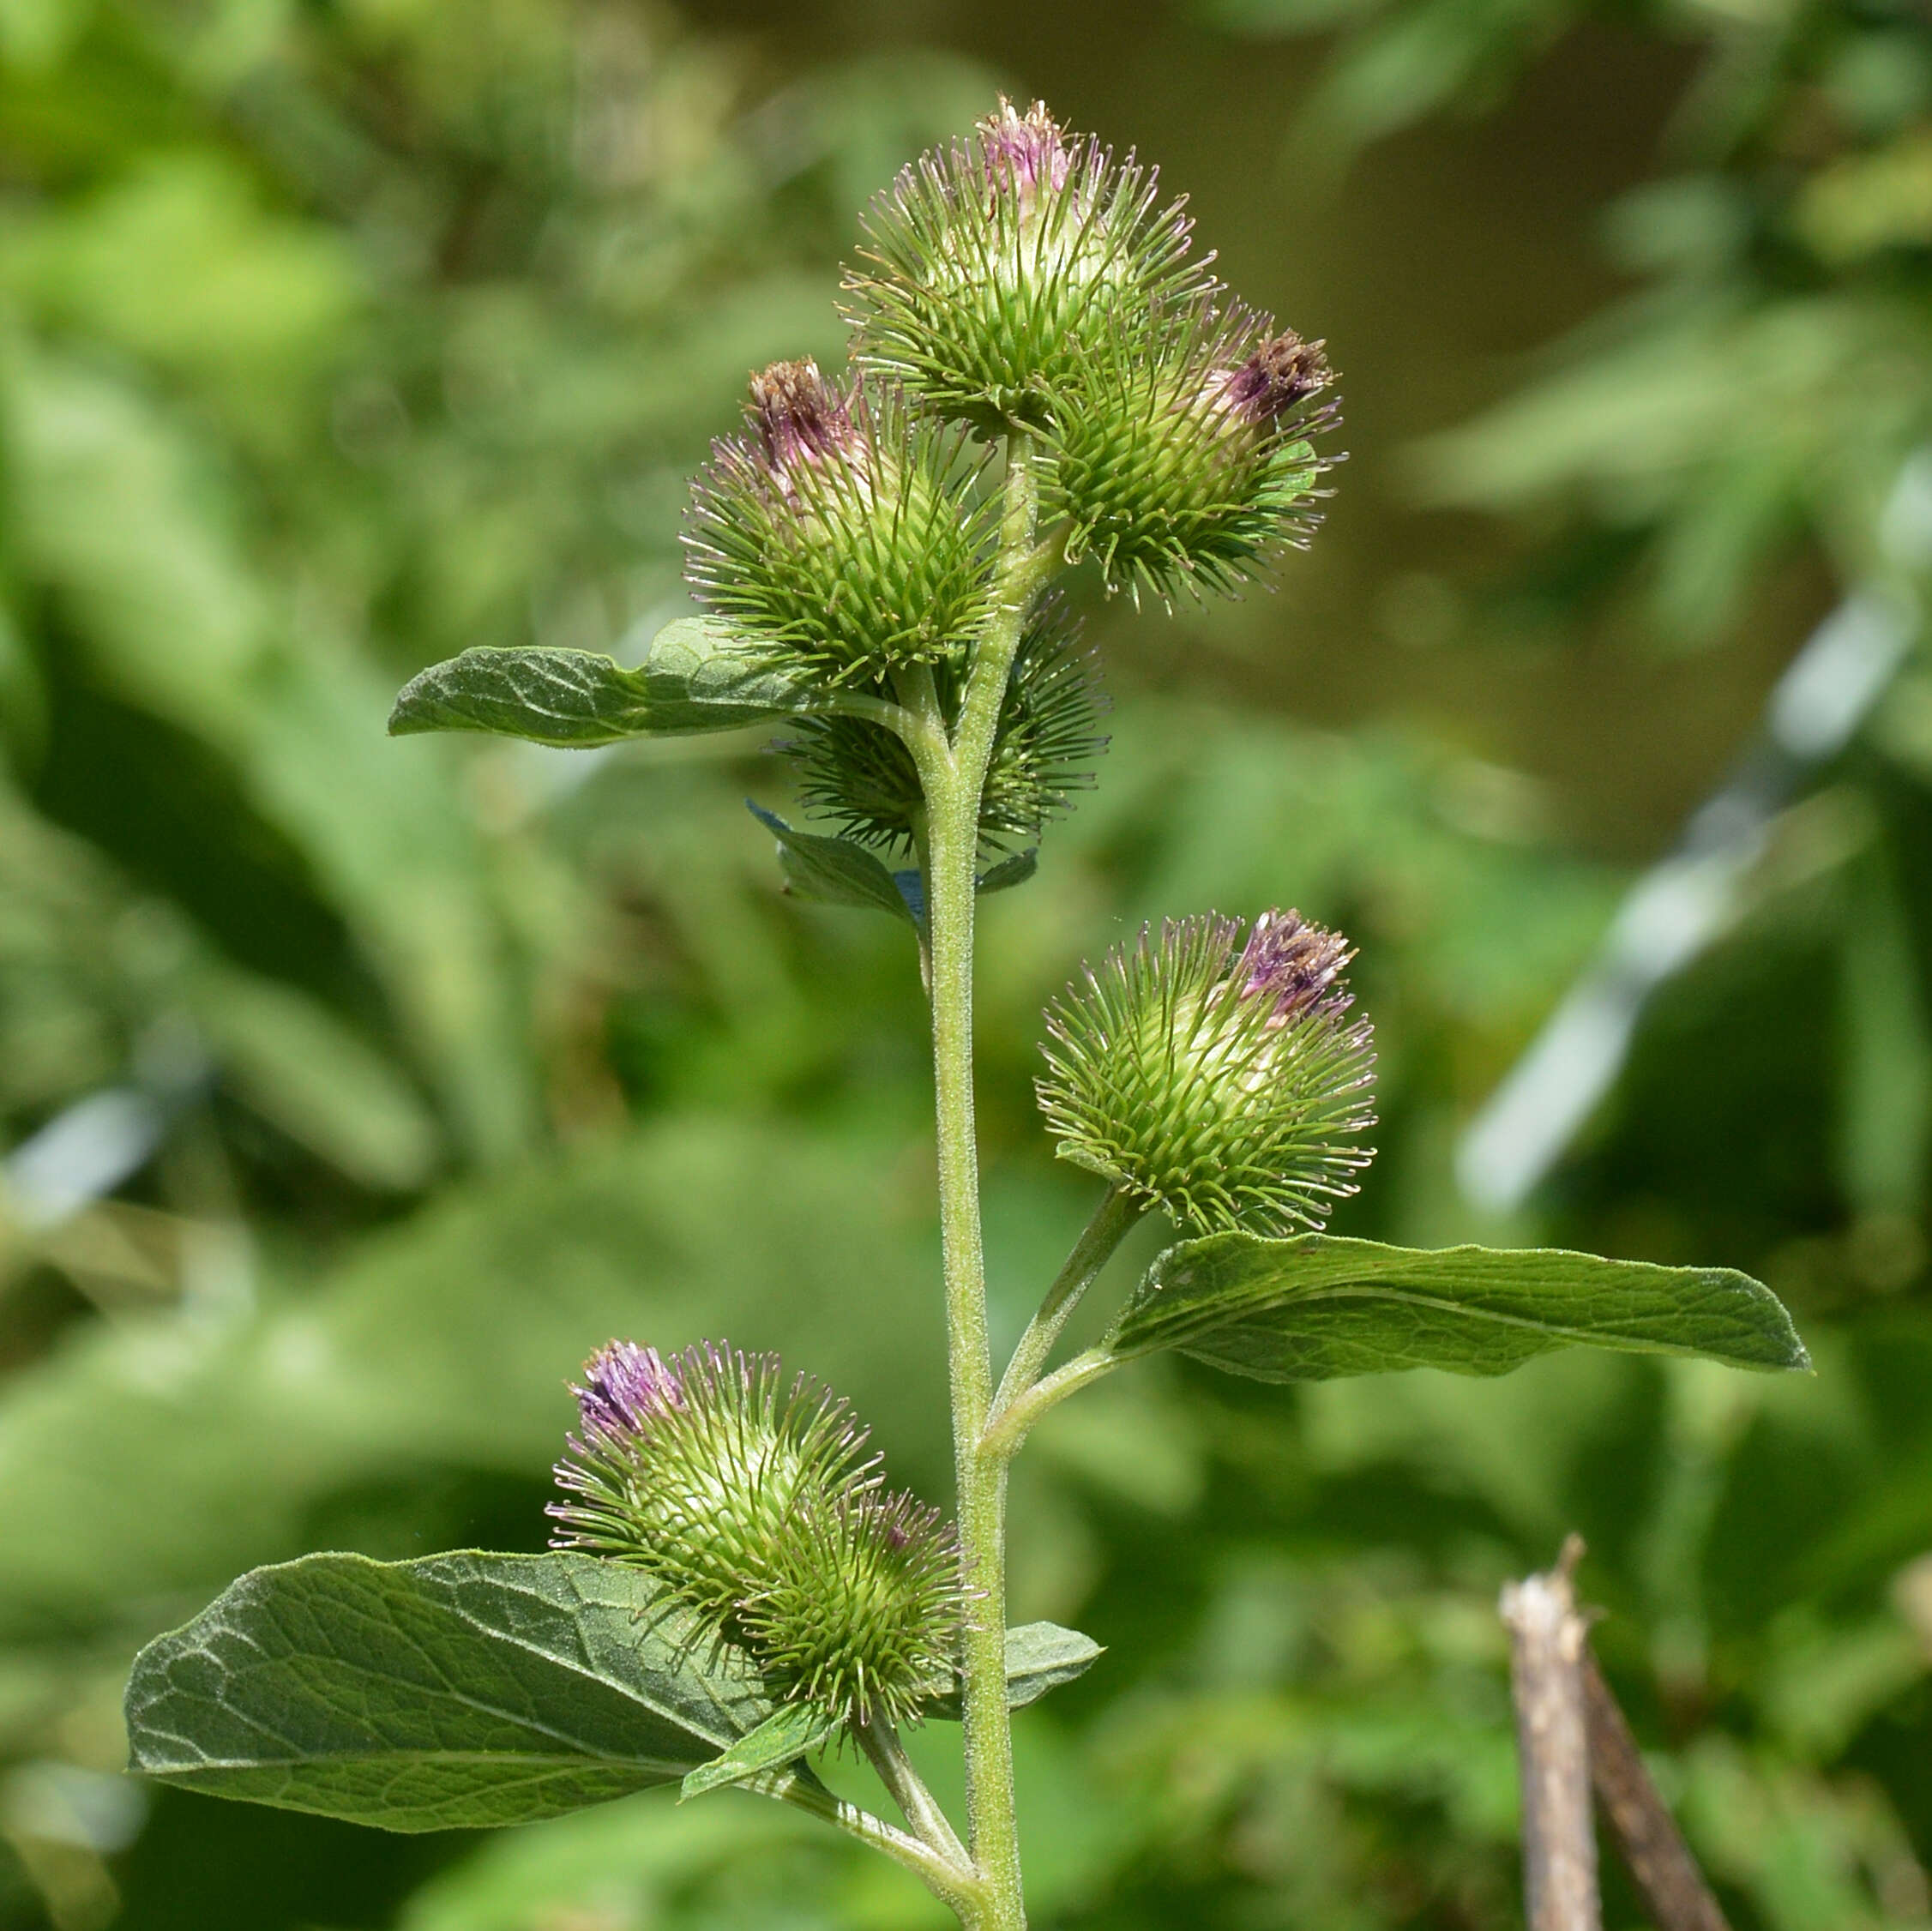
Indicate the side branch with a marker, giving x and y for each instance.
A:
(1008, 1431)
(956, 1885)
(1547, 1640)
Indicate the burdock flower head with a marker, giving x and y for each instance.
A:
(988, 267)
(839, 528)
(755, 1502)
(1192, 467)
(1217, 1071)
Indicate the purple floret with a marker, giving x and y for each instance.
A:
(1277, 376)
(1024, 151)
(1290, 964)
(625, 1388)
(800, 417)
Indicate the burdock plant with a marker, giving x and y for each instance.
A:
(1044, 373)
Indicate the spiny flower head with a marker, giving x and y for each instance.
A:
(1193, 467)
(689, 1467)
(839, 528)
(862, 776)
(755, 1501)
(861, 1617)
(1217, 1071)
(989, 266)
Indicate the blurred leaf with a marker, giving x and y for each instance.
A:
(331, 1684)
(1315, 1306)
(195, 1447)
(835, 871)
(793, 1731)
(697, 676)
(300, 1067)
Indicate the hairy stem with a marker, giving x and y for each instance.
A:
(955, 1883)
(954, 784)
(1113, 1219)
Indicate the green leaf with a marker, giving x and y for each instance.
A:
(785, 1735)
(1010, 872)
(452, 1692)
(1315, 1306)
(697, 676)
(833, 871)
(1039, 1658)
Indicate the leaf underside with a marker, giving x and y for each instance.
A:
(455, 1691)
(1316, 1307)
(835, 871)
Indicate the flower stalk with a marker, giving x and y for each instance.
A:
(954, 783)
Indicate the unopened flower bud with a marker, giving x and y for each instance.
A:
(755, 1504)
(861, 1617)
(838, 528)
(1025, 155)
(1191, 470)
(991, 268)
(1217, 1072)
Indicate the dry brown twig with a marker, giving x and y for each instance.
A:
(1572, 1736)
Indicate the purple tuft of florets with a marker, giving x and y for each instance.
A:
(799, 417)
(1292, 964)
(1024, 152)
(1281, 373)
(625, 1389)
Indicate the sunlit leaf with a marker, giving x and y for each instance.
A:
(789, 1733)
(452, 1692)
(698, 676)
(1316, 1307)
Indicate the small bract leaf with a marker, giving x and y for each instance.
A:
(698, 676)
(452, 1692)
(1315, 1308)
(783, 1736)
(1010, 872)
(1039, 1658)
(835, 871)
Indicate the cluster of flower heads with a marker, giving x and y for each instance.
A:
(1217, 1071)
(1024, 280)
(755, 1502)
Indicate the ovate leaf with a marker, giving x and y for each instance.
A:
(835, 871)
(452, 1691)
(1315, 1306)
(785, 1735)
(1039, 1658)
(697, 676)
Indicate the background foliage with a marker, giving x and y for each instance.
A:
(356, 1088)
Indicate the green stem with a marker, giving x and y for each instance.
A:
(887, 1754)
(954, 784)
(1113, 1221)
(1009, 1429)
(956, 1885)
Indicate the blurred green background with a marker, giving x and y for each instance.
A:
(354, 1089)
